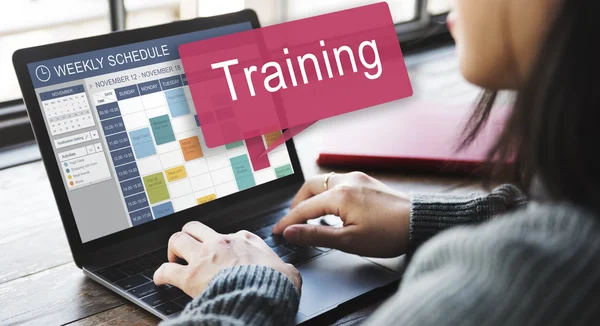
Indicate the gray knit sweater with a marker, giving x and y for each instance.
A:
(537, 265)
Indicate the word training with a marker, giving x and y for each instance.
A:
(275, 73)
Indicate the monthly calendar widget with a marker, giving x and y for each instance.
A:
(66, 109)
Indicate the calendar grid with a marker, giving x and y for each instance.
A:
(155, 140)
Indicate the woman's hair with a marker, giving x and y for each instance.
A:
(553, 131)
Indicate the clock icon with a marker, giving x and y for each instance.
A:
(42, 73)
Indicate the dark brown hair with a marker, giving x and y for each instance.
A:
(554, 127)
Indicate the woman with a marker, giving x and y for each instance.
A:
(505, 260)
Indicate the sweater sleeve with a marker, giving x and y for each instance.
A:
(243, 295)
(536, 266)
(433, 213)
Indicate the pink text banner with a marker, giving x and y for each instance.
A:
(288, 76)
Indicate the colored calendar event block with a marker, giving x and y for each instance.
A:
(175, 173)
(271, 137)
(162, 129)
(156, 187)
(191, 148)
(283, 171)
(206, 199)
(177, 102)
(163, 210)
(256, 147)
(234, 144)
(142, 143)
(242, 172)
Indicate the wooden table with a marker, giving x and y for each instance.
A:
(40, 284)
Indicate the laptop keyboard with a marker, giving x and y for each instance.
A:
(135, 276)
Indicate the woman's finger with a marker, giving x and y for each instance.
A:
(170, 273)
(317, 206)
(200, 231)
(315, 186)
(317, 235)
(182, 245)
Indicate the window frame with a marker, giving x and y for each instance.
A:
(406, 31)
(117, 14)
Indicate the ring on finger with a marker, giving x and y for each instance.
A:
(326, 181)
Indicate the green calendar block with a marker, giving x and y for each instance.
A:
(242, 172)
(234, 144)
(156, 187)
(283, 171)
(162, 129)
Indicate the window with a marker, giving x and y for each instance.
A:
(438, 7)
(27, 23)
(415, 19)
(47, 20)
(33, 22)
(143, 13)
(402, 10)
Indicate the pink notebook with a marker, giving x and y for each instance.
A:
(420, 138)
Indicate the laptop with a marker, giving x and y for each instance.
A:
(128, 166)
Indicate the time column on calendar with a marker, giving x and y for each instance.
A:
(121, 154)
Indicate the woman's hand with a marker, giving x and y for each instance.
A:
(376, 218)
(208, 252)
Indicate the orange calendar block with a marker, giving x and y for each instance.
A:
(191, 148)
(271, 137)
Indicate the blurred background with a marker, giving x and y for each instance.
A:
(28, 23)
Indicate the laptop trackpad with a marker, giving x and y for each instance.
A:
(336, 278)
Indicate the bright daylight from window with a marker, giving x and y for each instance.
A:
(45, 23)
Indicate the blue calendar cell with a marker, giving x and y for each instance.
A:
(163, 210)
(132, 187)
(143, 146)
(141, 216)
(117, 141)
(122, 156)
(127, 171)
(136, 202)
(177, 102)
(107, 111)
(113, 126)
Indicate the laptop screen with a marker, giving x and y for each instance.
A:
(126, 136)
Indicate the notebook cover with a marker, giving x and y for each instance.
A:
(420, 138)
